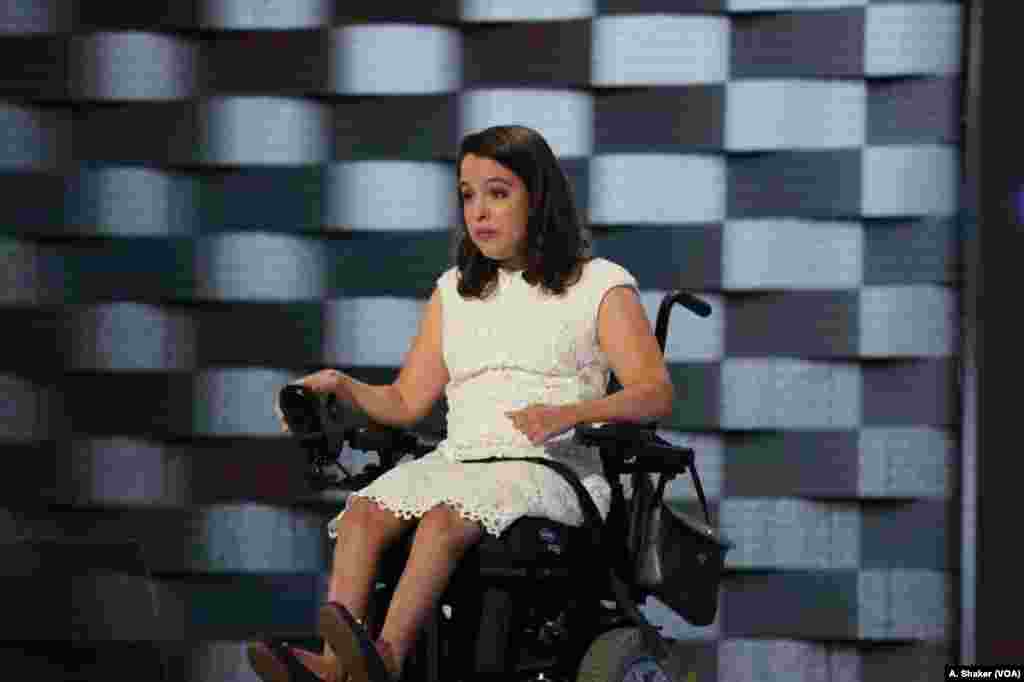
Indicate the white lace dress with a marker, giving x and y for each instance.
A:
(518, 347)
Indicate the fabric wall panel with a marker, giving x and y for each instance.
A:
(33, 138)
(782, 393)
(253, 61)
(660, 50)
(130, 337)
(255, 266)
(528, 10)
(912, 38)
(264, 131)
(677, 119)
(395, 59)
(910, 462)
(827, 43)
(31, 17)
(564, 117)
(34, 65)
(767, 114)
(134, 66)
(633, 188)
(131, 201)
(276, 14)
(389, 195)
(559, 54)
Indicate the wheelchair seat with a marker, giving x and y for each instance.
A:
(531, 547)
(538, 597)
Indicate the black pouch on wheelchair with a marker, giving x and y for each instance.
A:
(676, 558)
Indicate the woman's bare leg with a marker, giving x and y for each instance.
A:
(442, 538)
(364, 532)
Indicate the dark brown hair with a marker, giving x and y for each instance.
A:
(557, 243)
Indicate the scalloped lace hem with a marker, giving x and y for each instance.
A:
(493, 521)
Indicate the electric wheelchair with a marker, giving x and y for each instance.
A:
(539, 603)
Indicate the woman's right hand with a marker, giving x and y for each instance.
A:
(324, 381)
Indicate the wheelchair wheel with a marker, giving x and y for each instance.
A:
(620, 655)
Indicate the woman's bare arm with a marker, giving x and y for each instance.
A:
(411, 396)
(625, 336)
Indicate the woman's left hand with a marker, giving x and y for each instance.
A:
(541, 422)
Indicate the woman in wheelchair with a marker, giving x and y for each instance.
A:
(520, 335)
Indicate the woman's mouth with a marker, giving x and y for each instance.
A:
(486, 234)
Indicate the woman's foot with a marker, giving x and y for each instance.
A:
(358, 655)
(327, 668)
(390, 658)
(275, 662)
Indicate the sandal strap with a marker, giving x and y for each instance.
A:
(375, 665)
(296, 671)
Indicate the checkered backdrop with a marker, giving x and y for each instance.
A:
(203, 200)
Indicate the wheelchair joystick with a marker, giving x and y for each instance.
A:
(308, 416)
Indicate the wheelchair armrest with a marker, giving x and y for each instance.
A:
(618, 434)
(636, 447)
(392, 442)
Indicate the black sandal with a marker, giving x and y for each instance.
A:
(352, 645)
(274, 661)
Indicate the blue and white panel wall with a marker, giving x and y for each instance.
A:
(204, 200)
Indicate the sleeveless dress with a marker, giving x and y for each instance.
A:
(518, 347)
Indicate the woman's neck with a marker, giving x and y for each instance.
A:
(513, 264)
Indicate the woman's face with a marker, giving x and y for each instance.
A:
(496, 208)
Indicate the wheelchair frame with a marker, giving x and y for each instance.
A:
(570, 607)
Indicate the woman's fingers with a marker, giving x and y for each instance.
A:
(318, 382)
(280, 415)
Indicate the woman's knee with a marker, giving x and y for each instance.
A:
(445, 525)
(365, 518)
